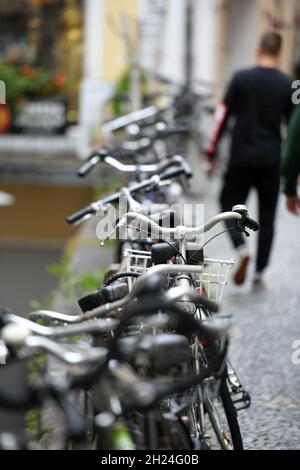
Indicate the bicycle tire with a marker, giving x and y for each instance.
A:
(231, 417)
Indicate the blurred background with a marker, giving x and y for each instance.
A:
(62, 62)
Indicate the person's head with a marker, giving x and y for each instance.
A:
(270, 48)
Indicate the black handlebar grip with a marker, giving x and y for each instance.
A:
(114, 292)
(88, 165)
(252, 224)
(77, 216)
(91, 301)
(184, 169)
(187, 169)
(102, 296)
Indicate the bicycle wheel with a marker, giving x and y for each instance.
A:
(223, 426)
(156, 430)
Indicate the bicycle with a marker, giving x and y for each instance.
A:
(118, 381)
(182, 272)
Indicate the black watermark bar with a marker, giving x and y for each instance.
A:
(136, 459)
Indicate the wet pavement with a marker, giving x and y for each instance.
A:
(23, 278)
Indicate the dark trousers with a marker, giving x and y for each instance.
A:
(237, 184)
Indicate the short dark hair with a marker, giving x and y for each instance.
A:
(271, 43)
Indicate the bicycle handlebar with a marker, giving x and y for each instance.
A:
(19, 331)
(88, 166)
(96, 327)
(93, 208)
(178, 232)
(131, 118)
(82, 214)
(238, 213)
(147, 185)
(171, 296)
(108, 158)
(16, 336)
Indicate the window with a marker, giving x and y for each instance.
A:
(47, 35)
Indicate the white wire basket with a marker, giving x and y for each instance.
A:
(136, 261)
(211, 281)
(214, 277)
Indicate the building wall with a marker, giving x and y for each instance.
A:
(105, 58)
(240, 39)
(240, 24)
(205, 39)
(173, 42)
(153, 15)
(282, 12)
(220, 49)
(226, 33)
(115, 55)
(39, 212)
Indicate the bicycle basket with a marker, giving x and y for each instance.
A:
(214, 277)
(136, 260)
(212, 280)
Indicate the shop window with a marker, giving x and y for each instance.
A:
(40, 59)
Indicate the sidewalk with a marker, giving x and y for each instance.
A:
(265, 326)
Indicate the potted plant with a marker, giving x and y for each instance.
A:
(23, 81)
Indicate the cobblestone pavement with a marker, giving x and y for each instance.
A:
(266, 324)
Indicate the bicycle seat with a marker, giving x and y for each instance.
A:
(158, 353)
(155, 285)
(161, 253)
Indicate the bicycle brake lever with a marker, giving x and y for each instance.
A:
(121, 223)
(165, 183)
(241, 224)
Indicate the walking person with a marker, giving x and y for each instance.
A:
(291, 164)
(259, 99)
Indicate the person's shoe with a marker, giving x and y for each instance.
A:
(258, 283)
(242, 268)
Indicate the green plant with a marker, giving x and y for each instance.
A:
(23, 80)
(74, 284)
(33, 418)
(122, 88)
(44, 305)
(33, 424)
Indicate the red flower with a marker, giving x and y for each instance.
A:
(59, 79)
(26, 70)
